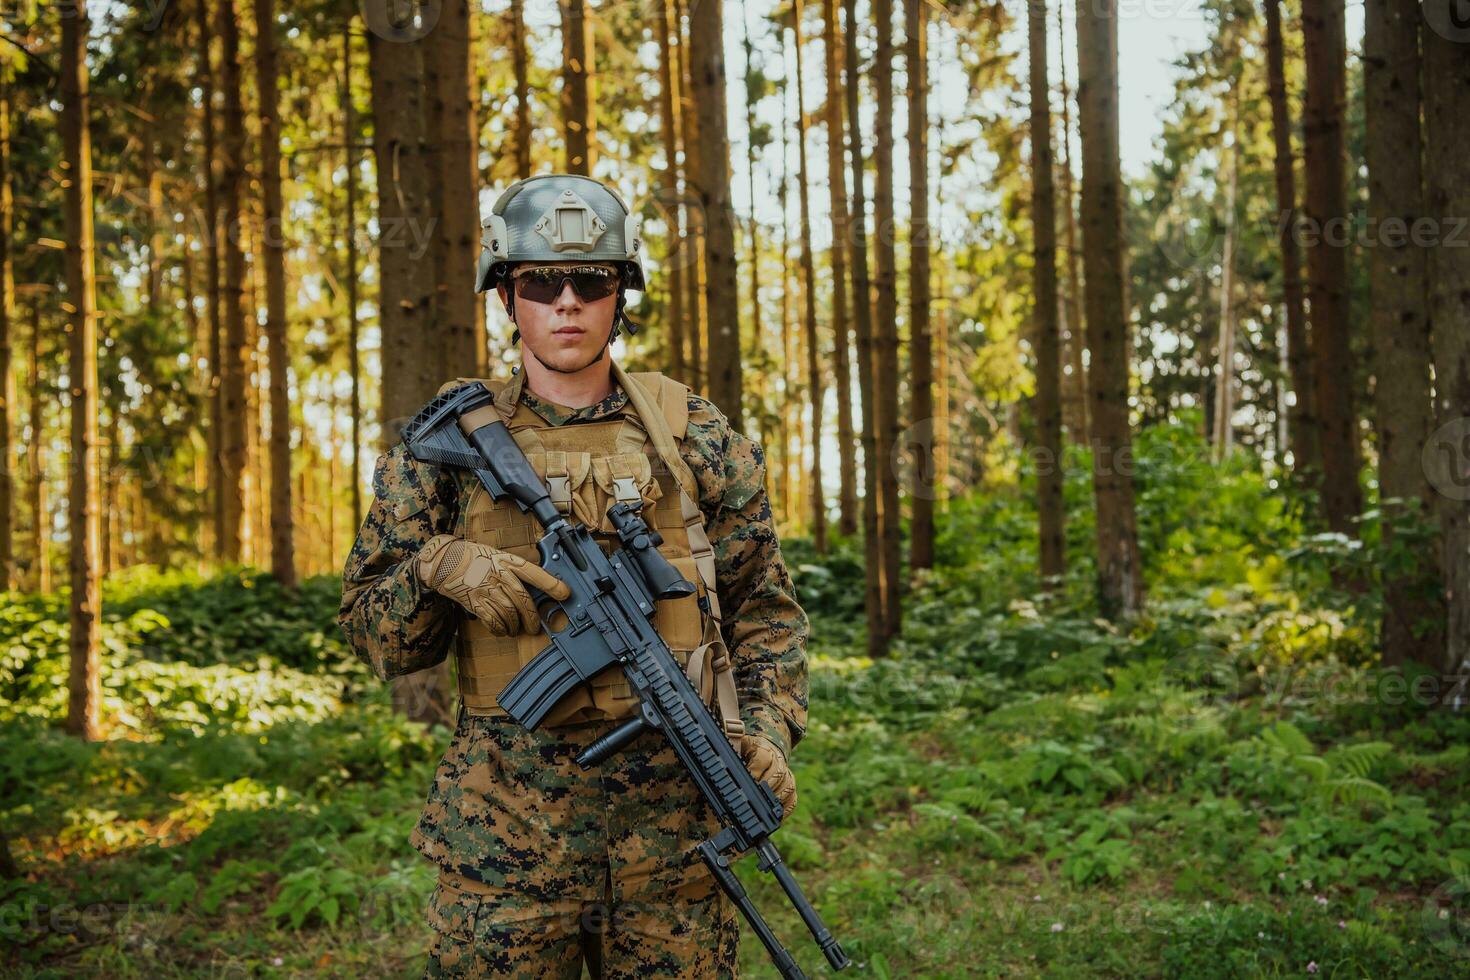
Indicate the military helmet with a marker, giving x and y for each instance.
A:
(556, 218)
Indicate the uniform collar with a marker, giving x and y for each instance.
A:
(554, 414)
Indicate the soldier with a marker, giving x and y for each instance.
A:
(542, 865)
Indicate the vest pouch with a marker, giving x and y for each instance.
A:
(622, 478)
(566, 475)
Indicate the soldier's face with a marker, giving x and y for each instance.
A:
(568, 332)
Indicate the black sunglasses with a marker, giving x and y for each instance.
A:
(543, 284)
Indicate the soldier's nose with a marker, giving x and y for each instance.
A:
(567, 298)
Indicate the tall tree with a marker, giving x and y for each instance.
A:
(85, 684)
(885, 325)
(694, 219)
(847, 520)
(1074, 337)
(577, 105)
(234, 436)
(875, 602)
(1447, 179)
(411, 349)
(354, 366)
(921, 355)
(668, 188)
(7, 377)
(1302, 427)
(39, 508)
(208, 175)
(1224, 430)
(809, 292)
(452, 152)
(1120, 572)
(1045, 327)
(283, 549)
(519, 61)
(1327, 283)
(722, 299)
(1397, 271)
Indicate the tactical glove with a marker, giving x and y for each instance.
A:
(490, 583)
(767, 764)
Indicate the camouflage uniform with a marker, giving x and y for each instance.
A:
(534, 852)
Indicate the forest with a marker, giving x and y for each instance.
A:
(1125, 480)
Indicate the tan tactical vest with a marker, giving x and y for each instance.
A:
(587, 467)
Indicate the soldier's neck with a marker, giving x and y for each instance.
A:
(576, 390)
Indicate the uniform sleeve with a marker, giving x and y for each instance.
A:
(764, 627)
(392, 621)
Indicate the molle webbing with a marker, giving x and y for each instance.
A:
(587, 466)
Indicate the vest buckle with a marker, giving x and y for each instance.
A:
(559, 488)
(626, 491)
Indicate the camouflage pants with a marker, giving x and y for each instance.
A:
(543, 865)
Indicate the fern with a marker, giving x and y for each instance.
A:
(1341, 776)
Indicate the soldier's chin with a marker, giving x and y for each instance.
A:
(569, 360)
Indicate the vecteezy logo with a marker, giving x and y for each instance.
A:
(1446, 917)
(1446, 459)
(1450, 19)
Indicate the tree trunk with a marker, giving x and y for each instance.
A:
(722, 299)
(233, 435)
(84, 683)
(941, 305)
(1412, 622)
(410, 347)
(694, 219)
(847, 513)
(757, 322)
(815, 391)
(256, 535)
(1447, 166)
(8, 868)
(875, 601)
(283, 552)
(1332, 359)
(790, 458)
(1302, 412)
(452, 150)
(1050, 511)
(158, 534)
(576, 97)
(36, 462)
(1224, 437)
(7, 378)
(354, 365)
(885, 327)
(1120, 574)
(1074, 384)
(668, 189)
(209, 176)
(921, 355)
(109, 481)
(519, 60)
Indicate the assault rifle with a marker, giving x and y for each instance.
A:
(605, 623)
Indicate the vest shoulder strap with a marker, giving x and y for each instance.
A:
(672, 397)
(656, 400)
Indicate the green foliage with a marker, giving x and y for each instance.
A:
(317, 891)
(1219, 788)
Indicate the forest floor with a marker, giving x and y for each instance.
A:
(1228, 786)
